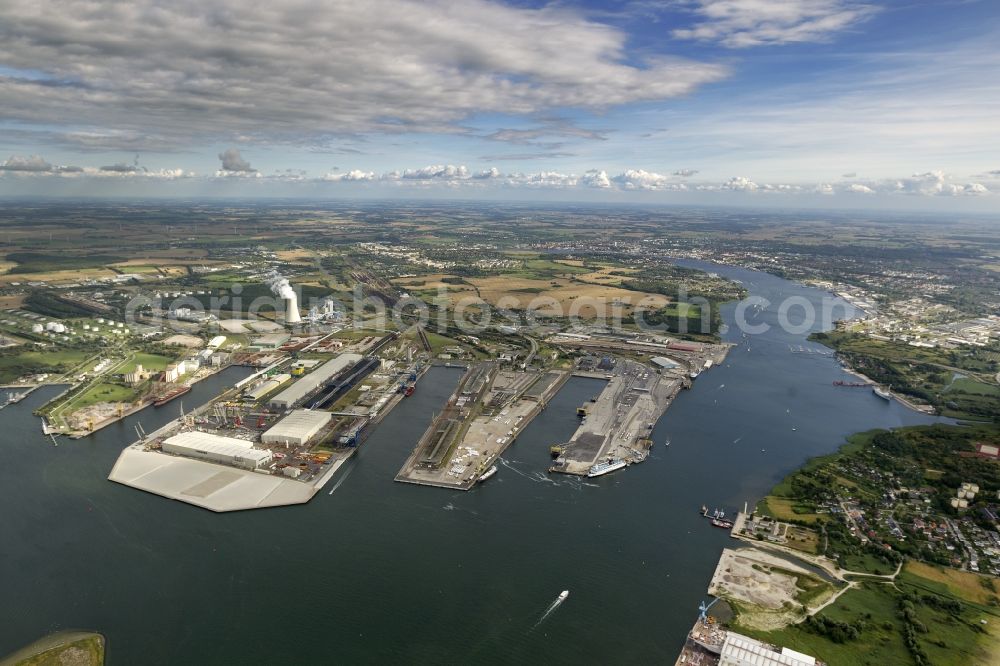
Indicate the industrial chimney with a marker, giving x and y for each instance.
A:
(292, 309)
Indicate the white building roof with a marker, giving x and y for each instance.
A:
(314, 379)
(664, 362)
(299, 425)
(226, 446)
(740, 650)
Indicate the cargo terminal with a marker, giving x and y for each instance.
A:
(273, 440)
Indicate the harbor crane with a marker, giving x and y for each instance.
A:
(703, 610)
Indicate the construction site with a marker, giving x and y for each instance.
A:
(482, 418)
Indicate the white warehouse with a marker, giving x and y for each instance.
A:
(267, 386)
(313, 381)
(217, 449)
(297, 428)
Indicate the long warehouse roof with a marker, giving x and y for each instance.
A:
(314, 379)
(227, 446)
(300, 423)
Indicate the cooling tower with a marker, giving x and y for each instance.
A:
(292, 309)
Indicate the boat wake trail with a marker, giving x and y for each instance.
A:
(343, 478)
(515, 470)
(552, 607)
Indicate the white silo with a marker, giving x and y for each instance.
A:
(292, 308)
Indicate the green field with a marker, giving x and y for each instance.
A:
(873, 627)
(35, 262)
(103, 392)
(153, 362)
(14, 365)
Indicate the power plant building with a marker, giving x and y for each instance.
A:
(217, 449)
(311, 382)
(297, 428)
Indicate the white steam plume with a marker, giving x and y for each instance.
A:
(280, 286)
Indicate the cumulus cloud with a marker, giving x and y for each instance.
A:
(596, 178)
(233, 162)
(639, 179)
(197, 70)
(745, 23)
(858, 188)
(354, 175)
(935, 183)
(31, 163)
(436, 172)
(740, 184)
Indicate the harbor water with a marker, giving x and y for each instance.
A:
(372, 571)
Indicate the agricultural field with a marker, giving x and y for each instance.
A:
(560, 296)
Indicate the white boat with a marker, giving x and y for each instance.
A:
(563, 595)
(605, 467)
(884, 393)
(666, 443)
(488, 473)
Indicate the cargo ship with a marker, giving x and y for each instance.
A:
(170, 395)
(605, 467)
(884, 393)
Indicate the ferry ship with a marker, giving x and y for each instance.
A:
(884, 393)
(605, 467)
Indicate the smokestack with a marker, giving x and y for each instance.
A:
(292, 309)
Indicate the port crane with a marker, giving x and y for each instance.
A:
(703, 610)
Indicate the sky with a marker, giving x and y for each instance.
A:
(834, 103)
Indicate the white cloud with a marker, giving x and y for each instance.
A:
(297, 72)
(858, 188)
(639, 179)
(744, 23)
(31, 163)
(435, 172)
(596, 178)
(354, 175)
(740, 184)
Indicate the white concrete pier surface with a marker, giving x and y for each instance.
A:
(215, 487)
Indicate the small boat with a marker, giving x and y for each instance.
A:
(666, 443)
(488, 473)
(563, 595)
(725, 524)
(409, 391)
(884, 393)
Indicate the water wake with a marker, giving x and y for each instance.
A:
(552, 607)
(343, 478)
